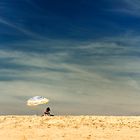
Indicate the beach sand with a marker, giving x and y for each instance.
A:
(69, 128)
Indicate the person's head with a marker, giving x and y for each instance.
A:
(47, 109)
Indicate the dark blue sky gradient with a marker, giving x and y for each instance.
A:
(77, 20)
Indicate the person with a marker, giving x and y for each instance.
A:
(47, 112)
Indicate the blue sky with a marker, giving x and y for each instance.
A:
(83, 55)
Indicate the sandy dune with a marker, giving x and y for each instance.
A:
(69, 128)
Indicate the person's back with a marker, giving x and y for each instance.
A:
(47, 112)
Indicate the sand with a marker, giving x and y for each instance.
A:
(69, 128)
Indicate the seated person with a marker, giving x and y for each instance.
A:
(47, 112)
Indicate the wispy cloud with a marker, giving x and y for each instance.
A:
(130, 7)
(80, 72)
(21, 30)
(33, 4)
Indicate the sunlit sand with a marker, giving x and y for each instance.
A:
(69, 128)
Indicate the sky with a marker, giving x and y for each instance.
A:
(83, 55)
